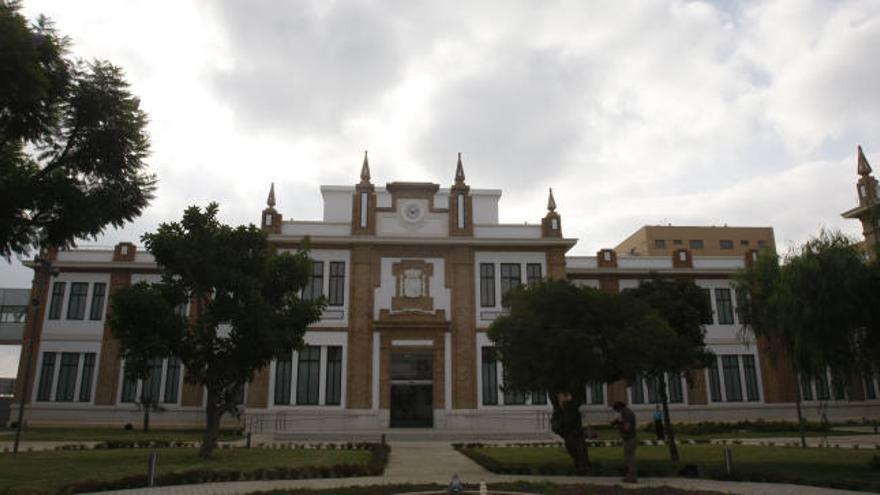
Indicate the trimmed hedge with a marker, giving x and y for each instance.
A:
(374, 467)
(759, 426)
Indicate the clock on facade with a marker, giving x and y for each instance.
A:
(412, 212)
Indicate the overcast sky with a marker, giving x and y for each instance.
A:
(635, 112)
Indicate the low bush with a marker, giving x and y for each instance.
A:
(758, 426)
(374, 467)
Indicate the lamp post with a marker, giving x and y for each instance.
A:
(42, 269)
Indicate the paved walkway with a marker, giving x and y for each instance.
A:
(435, 462)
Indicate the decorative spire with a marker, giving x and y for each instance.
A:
(270, 201)
(551, 203)
(864, 168)
(459, 171)
(365, 170)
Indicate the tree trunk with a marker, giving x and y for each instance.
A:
(146, 405)
(800, 414)
(667, 422)
(212, 426)
(566, 422)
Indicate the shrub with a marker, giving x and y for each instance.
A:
(128, 427)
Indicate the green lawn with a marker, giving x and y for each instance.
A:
(828, 467)
(79, 434)
(48, 471)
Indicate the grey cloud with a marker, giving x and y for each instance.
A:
(516, 119)
(307, 66)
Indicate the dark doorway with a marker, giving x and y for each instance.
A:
(412, 389)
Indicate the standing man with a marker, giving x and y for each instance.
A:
(626, 425)
(658, 422)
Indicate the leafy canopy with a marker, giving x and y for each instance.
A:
(559, 337)
(244, 301)
(673, 340)
(73, 141)
(812, 306)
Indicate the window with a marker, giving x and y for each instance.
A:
(337, 283)
(162, 383)
(153, 384)
(333, 393)
(97, 310)
(533, 273)
(538, 398)
(13, 314)
(47, 376)
(806, 388)
(57, 300)
(63, 387)
(510, 278)
(744, 242)
(308, 376)
(76, 304)
(762, 243)
(638, 391)
(67, 377)
(708, 318)
(85, 382)
(676, 390)
(726, 244)
(596, 393)
(659, 243)
(677, 242)
(515, 398)
(487, 285)
(715, 382)
(751, 374)
(172, 381)
(732, 383)
(870, 389)
(725, 306)
(823, 392)
(490, 376)
(129, 387)
(695, 244)
(646, 390)
(283, 370)
(315, 288)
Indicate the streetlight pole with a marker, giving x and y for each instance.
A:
(42, 269)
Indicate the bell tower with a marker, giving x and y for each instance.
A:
(271, 220)
(868, 211)
(363, 214)
(461, 215)
(551, 224)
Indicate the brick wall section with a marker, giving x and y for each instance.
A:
(776, 374)
(108, 364)
(681, 258)
(606, 258)
(33, 315)
(258, 389)
(360, 333)
(855, 389)
(616, 392)
(697, 393)
(464, 336)
(556, 263)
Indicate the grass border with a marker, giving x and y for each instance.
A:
(597, 469)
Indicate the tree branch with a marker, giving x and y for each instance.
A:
(58, 160)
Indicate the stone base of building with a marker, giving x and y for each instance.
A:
(500, 421)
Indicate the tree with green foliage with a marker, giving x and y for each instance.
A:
(246, 310)
(147, 341)
(810, 308)
(73, 141)
(673, 349)
(558, 338)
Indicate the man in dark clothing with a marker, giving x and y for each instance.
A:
(626, 425)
